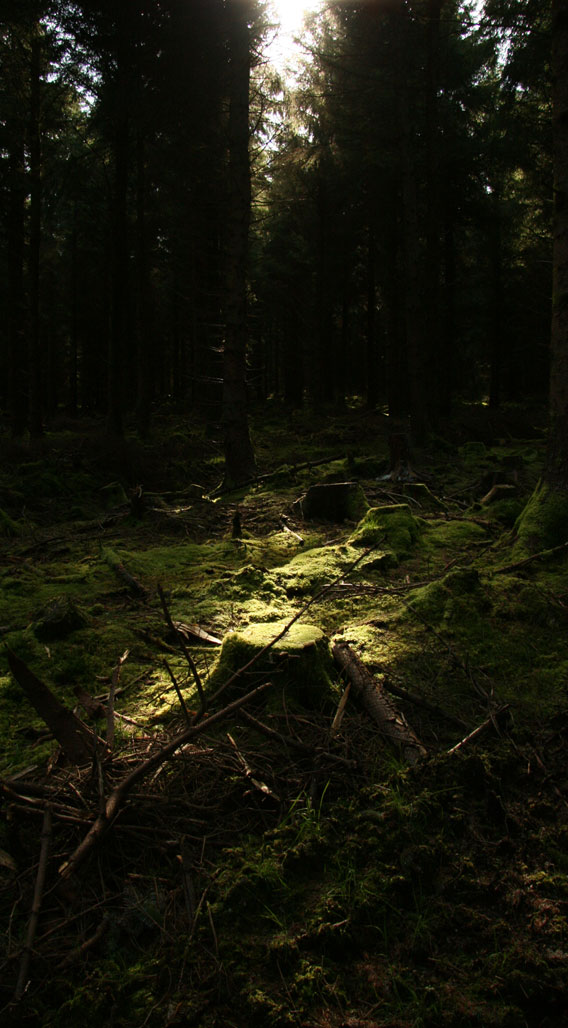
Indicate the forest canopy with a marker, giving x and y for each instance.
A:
(392, 224)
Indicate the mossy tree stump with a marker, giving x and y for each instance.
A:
(300, 662)
(333, 501)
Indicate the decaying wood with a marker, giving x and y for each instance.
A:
(133, 585)
(336, 723)
(196, 634)
(76, 740)
(496, 721)
(286, 528)
(369, 691)
(36, 904)
(119, 794)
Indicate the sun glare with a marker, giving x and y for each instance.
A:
(290, 15)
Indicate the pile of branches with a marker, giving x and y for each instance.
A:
(130, 842)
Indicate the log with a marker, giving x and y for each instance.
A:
(370, 693)
(75, 739)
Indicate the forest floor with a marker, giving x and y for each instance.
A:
(285, 865)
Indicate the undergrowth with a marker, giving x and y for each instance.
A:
(266, 884)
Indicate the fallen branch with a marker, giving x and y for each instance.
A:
(119, 794)
(179, 693)
(111, 698)
(36, 904)
(419, 701)
(378, 705)
(496, 721)
(178, 635)
(283, 470)
(542, 555)
(132, 583)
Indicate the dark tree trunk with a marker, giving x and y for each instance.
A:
(34, 256)
(144, 299)
(496, 325)
(15, 250)
(433, 249)
(414, 315)
(239, 456)
(556, 468)
(371, 340)
(119, 226)
(73, 357)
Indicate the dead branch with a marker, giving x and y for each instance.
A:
(419, 701)
(543, 555)
(119, 794)
(112, 694)
(178, 635)
(307, 466)
(336, 723)
(179, 694)
(36, 904)
(496, 721)
(378, 705)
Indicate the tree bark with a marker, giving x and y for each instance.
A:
(556, 468)
(239, 457)
(378, 705)
(119, 224)
(15, 250)
(34, 258)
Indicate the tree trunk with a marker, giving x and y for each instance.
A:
(34, 259)
(15, 250)
(239, 457)
(556, 469)
(119, 240)
(371, 340)
(144, 298)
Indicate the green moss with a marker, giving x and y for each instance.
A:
(438, 600)
(394, 525)
(543, 523)
(8, 526)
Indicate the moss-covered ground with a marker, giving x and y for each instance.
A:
(306, 877)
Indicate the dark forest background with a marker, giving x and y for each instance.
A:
(396, 209)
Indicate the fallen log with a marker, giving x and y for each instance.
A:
(76, 740)
(369, 691)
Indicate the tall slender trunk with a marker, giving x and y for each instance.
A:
(371, 340)
(73, 357)
(239, 456)
(34, 253)
(144, 298)
(119, 228)
(15, 250)
(432, 262)
(414, 322)
(496, 303)
(556, 468)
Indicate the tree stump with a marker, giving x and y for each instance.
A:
(332, 501)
